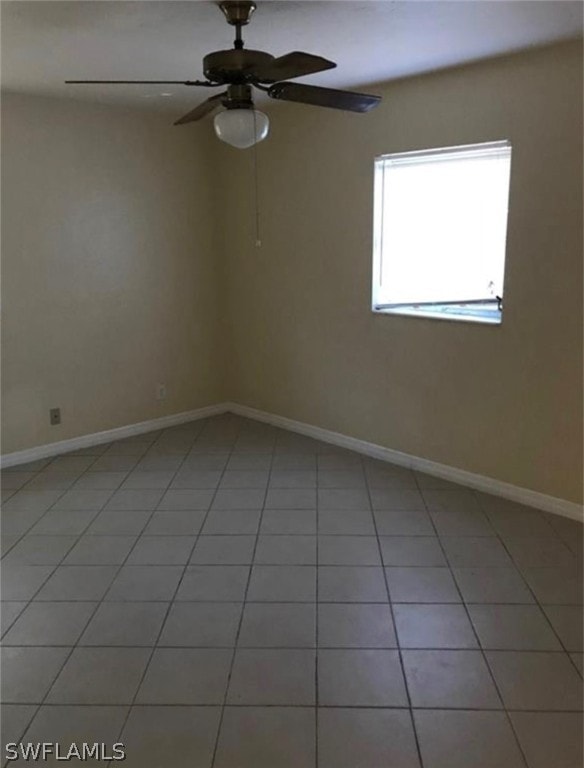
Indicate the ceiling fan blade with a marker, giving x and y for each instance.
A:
(295, 64)
(202, 109)
(324, 97)
(140, 82)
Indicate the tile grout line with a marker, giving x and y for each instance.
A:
(283, 509)
(65, 491)
(88, 470)
(475, 633)
(532, 592)
(541, 609)
(96, 608)
(398, 707)
(317, 622)
(97, 602)
(38, 705)
(28, 602)
(28, 531)
(203, 423)
(397, 639)
(244, 602)
(31, 599)
(280, 647)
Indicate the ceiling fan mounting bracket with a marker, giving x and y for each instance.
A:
(237, 13)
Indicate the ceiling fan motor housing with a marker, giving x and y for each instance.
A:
(236, 65)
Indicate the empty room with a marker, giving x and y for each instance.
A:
(292, 383)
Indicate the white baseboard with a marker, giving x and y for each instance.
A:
(470, 479)
(109, 435)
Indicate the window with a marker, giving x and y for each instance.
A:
(440, 226)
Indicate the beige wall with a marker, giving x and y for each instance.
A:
(500, 401)
(108, 269)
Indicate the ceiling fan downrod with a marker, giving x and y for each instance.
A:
(238, 15)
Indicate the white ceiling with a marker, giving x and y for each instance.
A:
(46, 42)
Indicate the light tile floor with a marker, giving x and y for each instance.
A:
(224, 594)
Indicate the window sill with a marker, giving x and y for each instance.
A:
(482, 316)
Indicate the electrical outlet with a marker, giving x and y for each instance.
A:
(161, 392)
(55, 416)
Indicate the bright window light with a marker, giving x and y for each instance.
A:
(440, 228)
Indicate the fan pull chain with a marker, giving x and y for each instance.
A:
(258, 241)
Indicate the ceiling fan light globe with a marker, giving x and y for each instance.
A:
(242, 128)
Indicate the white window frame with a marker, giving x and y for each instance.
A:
(489, 312)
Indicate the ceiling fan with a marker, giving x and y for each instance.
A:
(240, 124)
